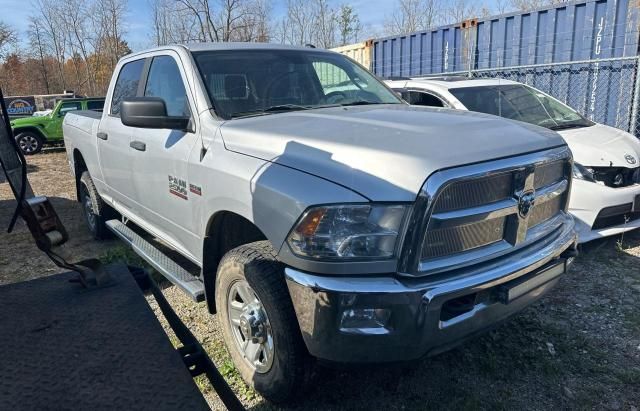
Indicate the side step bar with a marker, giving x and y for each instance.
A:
(158, 260)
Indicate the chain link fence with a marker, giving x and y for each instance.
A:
(605, 90)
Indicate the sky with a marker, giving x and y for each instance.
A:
(372, 15)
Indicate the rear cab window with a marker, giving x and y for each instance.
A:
(126, 85)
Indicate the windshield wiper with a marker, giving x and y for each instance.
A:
(567, 126)
(359, 103)
(285, 107)
(279, 108)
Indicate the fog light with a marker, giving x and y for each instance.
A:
(365, 320)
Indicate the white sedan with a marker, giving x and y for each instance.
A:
(605, 198)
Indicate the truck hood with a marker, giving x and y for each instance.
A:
(29, 121)
(603, 146)
(383, 152)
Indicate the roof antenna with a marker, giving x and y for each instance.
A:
(311, 46)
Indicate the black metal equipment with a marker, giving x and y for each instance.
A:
(91, 338)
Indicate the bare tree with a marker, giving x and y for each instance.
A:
(326, 19)
(526, 5)
(7, 37)
(299, 24)
(413, 15)
(37, 45)
(173, 23)
(461, 10)
(53, 31)
(348, 25)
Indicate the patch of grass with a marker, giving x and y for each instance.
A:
(632, 319)
(223, 362)
(122, 254)
(629, 376)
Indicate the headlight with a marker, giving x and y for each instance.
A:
(583, 173)
(348, 232)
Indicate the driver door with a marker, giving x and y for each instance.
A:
(160, 158)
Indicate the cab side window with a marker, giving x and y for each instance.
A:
(126, 85)
(422, 99)
(164, 81)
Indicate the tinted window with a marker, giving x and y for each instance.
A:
(165, 81)
(69, 106)
(95, 105)
(520, 102)
(127, 84)
(250, 82)
(422, 99)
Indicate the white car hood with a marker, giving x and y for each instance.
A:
(603, 146)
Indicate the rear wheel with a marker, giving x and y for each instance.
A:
(94, 209)
(259, 324)
(29, 142)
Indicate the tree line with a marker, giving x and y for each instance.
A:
(75, 44)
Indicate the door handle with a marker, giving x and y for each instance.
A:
(138, 145)
(102, 136)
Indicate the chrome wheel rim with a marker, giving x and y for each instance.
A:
(88, 209)
(28, 143)
(250, 326)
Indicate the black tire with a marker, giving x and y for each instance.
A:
(290, 369)
(29, 142)
(94, 209)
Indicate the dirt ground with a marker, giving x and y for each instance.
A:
(578, 348)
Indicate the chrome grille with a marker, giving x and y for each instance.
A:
(549, 173)
(470, 193)
(450, 240)
(494, 210)
(544, 211)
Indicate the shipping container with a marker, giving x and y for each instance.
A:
(569, 31)
(360, 52)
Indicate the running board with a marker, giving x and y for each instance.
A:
(158, 260)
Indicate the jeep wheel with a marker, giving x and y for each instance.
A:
(259, 325)
(95, 211)
(29, 142)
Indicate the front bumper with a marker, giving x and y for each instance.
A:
(588, 199)
(420, 321)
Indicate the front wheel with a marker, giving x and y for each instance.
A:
(259, 324)
(29, 142)
(95, 211)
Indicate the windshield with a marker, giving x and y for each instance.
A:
(520, 102)
(254, 82)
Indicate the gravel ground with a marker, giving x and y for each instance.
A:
(578, 348)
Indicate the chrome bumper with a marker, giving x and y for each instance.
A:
(423, 316)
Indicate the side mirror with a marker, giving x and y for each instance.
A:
(150, 112)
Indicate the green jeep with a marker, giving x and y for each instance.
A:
(32, 132)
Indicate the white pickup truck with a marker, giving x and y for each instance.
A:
(321, 216)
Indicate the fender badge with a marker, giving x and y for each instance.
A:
(630, 159)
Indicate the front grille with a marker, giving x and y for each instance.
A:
(544, 211)
(547, 174)
(615, 215)
(445, 241)
(494, 208)
(471, 193)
